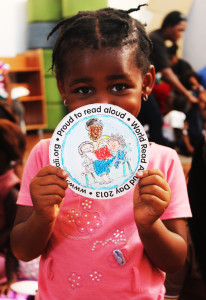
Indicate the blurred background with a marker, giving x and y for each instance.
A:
(17, 17)
(25, 24)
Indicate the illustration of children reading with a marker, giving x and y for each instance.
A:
(95, 163)
(86, 151)
(117, 144)
(104, 157)
(118, 147)
(104, 161)
(102, 153)
(95, 127)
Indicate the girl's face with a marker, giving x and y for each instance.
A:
(107, 76)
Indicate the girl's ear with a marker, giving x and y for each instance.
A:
(148, 81)
(60, 86)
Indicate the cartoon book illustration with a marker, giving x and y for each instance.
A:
(102, 147)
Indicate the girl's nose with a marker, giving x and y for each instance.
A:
(107, 99)
(102, 95)
(103, 99)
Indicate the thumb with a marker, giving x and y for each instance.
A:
(57, 207)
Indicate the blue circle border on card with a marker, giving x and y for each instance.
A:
(90, 186)
(112, 179)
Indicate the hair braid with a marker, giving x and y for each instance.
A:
(135, 9)
(104, 28)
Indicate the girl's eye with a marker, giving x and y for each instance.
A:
(119, 87)
(83, 90)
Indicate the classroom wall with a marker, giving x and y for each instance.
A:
(144, 15)
(13, 27)
(13, 24)
(195, 37)
(161, 8)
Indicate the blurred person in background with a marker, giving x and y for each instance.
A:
(172, 28)
(12, 148)
(189, 283)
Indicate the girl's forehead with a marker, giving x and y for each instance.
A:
(84, 58)
(81, 52)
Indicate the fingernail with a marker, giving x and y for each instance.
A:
(139, 173)
(65, 173)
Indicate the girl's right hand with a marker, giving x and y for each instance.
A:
(47, 191)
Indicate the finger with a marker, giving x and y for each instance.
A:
(51, 190)
(152, 176)
(50, 200)
(154, 190)
(145, 173)
(155, 202)
(51, 170)
(52, 180)
(154, 180)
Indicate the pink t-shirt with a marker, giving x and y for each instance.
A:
(79, 261)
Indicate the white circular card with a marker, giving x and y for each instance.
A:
(101, 146)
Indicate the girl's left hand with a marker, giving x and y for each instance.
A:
(151, 197)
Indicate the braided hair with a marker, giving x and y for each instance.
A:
(96, 30)
(12, 139)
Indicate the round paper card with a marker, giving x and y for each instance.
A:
(102, 147)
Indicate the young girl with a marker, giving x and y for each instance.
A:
(102, 249)
(12, 148)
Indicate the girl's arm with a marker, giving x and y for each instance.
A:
(164, 241)
(34, 225)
